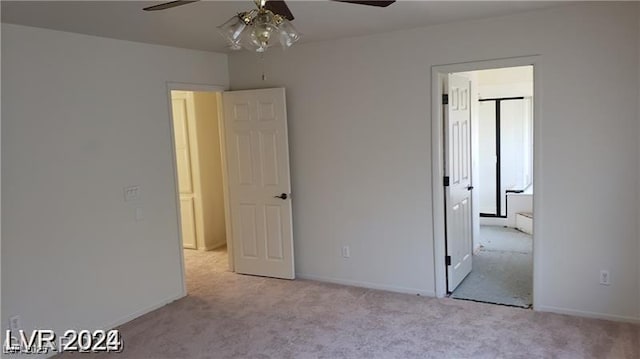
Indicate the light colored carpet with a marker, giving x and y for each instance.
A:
(227, 315)
(502, 269)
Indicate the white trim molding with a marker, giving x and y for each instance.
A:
(438, 74)
(594, 315)
(177, 86)
(368, 285)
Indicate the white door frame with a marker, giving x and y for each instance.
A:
(438, 74)
(178, 86)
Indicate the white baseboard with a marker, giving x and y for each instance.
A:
(426, 293)
(215, 245)
(141, 312)
(120, 321)
(370, 285)
(586, 314)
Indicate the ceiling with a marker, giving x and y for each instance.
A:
(194, 26)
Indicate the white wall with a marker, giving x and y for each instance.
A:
(485, 154)
(210, 168)
(506, 82)
(84, 117)
(1, 218)
(638, 192)
(359, 120)
(514, 144)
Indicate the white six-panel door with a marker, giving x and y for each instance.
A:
(182, 122)
(458, 169)
(259, 185)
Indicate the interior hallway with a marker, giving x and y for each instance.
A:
(227, 315)
(502, 269)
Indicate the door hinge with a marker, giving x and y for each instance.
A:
(445, 180)
(445, 99)
(447, 260)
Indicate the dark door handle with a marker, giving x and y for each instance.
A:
(282, 196)
(469, 188)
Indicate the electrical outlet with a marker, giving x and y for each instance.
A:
(15, 323)
(131, 193)
(605, 277)
(346, 252)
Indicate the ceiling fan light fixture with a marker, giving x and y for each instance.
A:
(261, 30)
(258, 29)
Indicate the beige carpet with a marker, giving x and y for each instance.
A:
(234, 316)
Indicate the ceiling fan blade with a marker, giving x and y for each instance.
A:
(168, 5)
(369, 3)
(279, 7)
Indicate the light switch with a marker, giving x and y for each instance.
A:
(139, 214)
(131, 193)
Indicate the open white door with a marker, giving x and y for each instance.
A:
(458, 171)
(257, 153)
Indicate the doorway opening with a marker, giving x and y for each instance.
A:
(201, 183)
(233, 187)
(487, 167)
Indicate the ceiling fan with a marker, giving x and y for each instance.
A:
(255, 29)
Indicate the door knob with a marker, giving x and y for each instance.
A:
(282, 196)
(469, 188)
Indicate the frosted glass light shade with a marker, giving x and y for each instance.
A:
(232, 31)
(288, 34)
